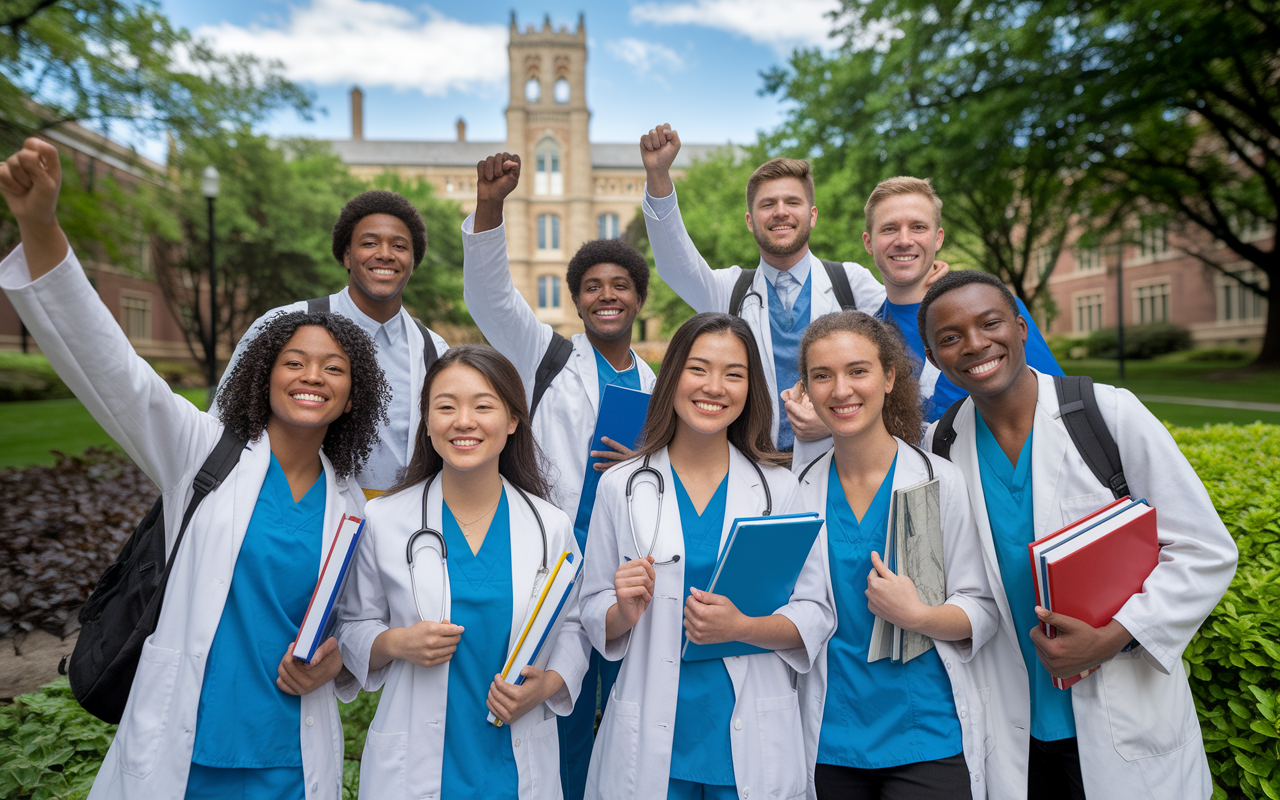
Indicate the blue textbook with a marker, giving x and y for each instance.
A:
(621, 417)
(758, 569)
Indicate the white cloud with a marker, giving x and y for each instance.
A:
(646, 57)
(781, 25)
(337, 42)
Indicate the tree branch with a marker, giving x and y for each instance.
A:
(16, 22)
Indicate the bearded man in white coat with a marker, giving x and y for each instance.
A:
(608, 281)
(1130, 729)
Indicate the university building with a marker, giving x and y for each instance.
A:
(571, 189)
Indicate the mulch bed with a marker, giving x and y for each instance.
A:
(63, 526)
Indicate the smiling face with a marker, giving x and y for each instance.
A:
(781, 217)
(976, 339)
(310, 381)
(607, 301)
(903, 239)
(847, 383)
(712, 391)
(380, 257)
(467, 421)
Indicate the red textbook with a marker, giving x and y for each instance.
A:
(1090, 568)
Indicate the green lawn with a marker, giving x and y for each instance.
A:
(30, 430)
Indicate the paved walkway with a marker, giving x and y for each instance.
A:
(1202, 401)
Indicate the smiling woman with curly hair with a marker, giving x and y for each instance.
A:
(221, 707)
(244, 404)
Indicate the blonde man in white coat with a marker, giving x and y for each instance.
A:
(885, 729)
(720, 728)
(433, 632)
(211, 715)
(1129, 730)
(790, 288)
(608, 281)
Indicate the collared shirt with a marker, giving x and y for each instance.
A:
(389, 454)
(800, 271)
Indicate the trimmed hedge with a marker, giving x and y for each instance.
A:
(28, 376)
(1140, 341)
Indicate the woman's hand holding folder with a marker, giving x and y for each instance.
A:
(510, 702)
(894, 599)
(713, 618)
(299, 677)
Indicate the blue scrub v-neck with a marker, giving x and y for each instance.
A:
(700, 750)
(1008, 492)
(479, 763)
(879, 714)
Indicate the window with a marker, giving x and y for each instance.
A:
(548, 232)
(533, 90)
(547, 178)
(1044, 260)
(1155, 242)
(548, 291)
(1088, 259)
(607, 225)
(1239, 303)
(1088, 312)
(1151, 303)
(135, 316)
(561, 91)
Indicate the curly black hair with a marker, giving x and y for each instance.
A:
(244, 401)
(955, 280)
(608, 251)
(378, 201)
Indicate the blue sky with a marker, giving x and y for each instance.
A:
(693, 63)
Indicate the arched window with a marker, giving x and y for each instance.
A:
(607, 226)
(561, 91)
(533, 90)
(548, 291)
(548, 179)
(548, 232)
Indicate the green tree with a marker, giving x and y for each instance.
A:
(1034, 117)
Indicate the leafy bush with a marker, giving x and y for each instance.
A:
(63, 527)
(1234, 660)
(49, 747)
(1217, 354)
(1062, 344)
(28, 376)
(1140, 341)
(356, 717)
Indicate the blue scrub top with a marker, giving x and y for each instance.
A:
(479, 763)
(700, 750)
(1008, 493)
(606, 376)
(905, 318)
(879, 714)
(243, 719)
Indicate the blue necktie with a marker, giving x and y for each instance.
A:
(785, 286)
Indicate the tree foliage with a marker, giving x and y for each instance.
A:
(1034, 118)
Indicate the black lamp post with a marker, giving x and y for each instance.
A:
(209, 185)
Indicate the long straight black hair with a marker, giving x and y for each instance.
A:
(751, 432)
(521, 460)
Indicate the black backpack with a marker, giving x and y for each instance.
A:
(835, 271)
(124, 607)
(1088, 430)
(557, 355)
(320, 305)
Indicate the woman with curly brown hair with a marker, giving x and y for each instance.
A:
(894, 729)
(217, 708)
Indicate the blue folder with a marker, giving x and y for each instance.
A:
(621, 417)
(758, 569)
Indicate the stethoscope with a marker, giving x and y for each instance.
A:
(435, 542)
(657, 520)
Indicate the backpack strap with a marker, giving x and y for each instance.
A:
(808, 467)
(225, 455)
(1078, 409)
(945, 434)
(840, 285)
(557, 355)
(740, 290)
(320, 305)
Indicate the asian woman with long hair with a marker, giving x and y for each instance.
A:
(453, 556)
(887, 729)
(692, 729)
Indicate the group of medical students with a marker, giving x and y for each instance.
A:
(493, 484)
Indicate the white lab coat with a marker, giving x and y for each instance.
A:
(967, 589)
(632, 755)
(707, 289)
(169, 439)
(1136, 724)
(417, 364)
(566, 416)
(404, 751)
